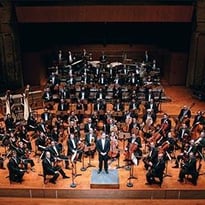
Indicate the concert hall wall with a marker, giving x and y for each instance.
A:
(39, 42)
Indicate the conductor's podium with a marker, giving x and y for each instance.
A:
(105, 181)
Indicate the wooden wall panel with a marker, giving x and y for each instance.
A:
(178, 69)
(139, 13)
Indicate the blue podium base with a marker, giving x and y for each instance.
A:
(104, 180)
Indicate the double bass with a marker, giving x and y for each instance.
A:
(114, 150)
(130, 153)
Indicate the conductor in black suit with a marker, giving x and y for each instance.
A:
(103, 147)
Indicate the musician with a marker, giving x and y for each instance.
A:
(89, 125)
(53, 80)
(185, 111)
(31, 122)
(119, 108)
(23, 154)
(200, 143)
(151, 105)
(151, 156)
(47, 117)
(166, 124)
(149, 117)
(189, 167)
(47, 95)
(26, 103)
(100, 107)
(56, 153)
(114, 152)
(103, 58)
(95, 119)
(49, 168)
(118, 80)
(117, 92)
(54, 134)
(184, 133)
(85, 79)
(80, 108)
(132, 79)
(134, 104)
(101, 94)
(71, 81)
(90, 141)
(64, 92)
(103, 148)
(70, 58)
(156, 170)
(134, 125)
(73, 118)
(9, 122)
(62, 109)
(149, 94)
(84, 93)
(16, 172)
(74, 149)
(199, 119)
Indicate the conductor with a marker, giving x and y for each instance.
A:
(103, 147)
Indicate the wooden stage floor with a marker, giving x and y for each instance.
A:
(33, 186)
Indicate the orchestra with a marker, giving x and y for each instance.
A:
(79, 120)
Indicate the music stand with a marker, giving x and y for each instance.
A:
(83, 168)
(89, 156)
(129, 183)
(74, 174)
(166, 168)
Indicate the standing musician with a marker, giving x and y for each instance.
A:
(56, 153)
(16, 172)
(49, 168)
(189, 167)
(156, 170)
(103, 148)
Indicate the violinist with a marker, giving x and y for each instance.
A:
(183, 156)
(183, 135)
(49, 168)
(156, 170)
(189, 167)
(23, 154)
(16, 173)
(56, 153)
(166, 124)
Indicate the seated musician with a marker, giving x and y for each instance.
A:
(200, 143)
(74, 148)
(134, 142)
(62, 109)
(100, 107)
(90, 143)
(149, 118)
(118, 109)
(134, 104)
(151, 105)
(117, 92)
(53, 80)
(151, 155)
(184, 111)
(56, 150)
(50, 168)
(48, 98)
(23, 155)
(88, 125)
(166, 123)
(114, 152)
(47, 117)
(156, 170)
(183, 134)
(16, 172)
(189, 167)
(199, 119)
(64, 92)
(31, 122)
(186, 149)
(9, 123)
(80, 109)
